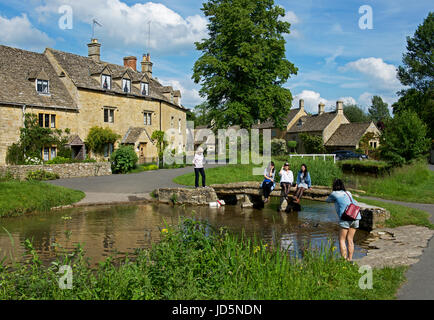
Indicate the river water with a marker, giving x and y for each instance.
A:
(115, 230)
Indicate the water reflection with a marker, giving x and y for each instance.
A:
(104, 231)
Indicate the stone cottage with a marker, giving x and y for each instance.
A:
(66, 90)
(335, 129)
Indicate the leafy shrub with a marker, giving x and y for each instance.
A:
(99, 137)
(124, 159)
(278, 147)
(59, 160)
(356, 166)
(150, 167)
(313, 144)
(7, 176)
(41, 175)
(292, 146)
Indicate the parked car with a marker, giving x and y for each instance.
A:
(348, 154)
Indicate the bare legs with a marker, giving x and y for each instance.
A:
(299, 194)
(346, 236)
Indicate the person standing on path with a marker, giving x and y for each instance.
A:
(342, 200)
(303, 182)
(198, 162)
(286, 180)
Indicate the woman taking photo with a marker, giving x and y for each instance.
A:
(303, 182)
(268, 183)
(198, 162)
(342, 200)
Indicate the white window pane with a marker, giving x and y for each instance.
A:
(46, 154)
(53, 153)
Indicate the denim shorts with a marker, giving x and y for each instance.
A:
(349, 224)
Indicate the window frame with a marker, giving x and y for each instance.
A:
(147, 118)
(126, 81)
(144, 85)
(109, 84)
(109, 111)
(42, 81)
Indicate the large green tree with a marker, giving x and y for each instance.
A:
(404, 138)
(379, 110)
(243, 64)
(355, 114)
(417, 72)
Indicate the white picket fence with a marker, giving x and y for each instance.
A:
(314, 156)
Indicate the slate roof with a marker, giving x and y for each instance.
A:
(133, 135)
(313, 122)
(348, 134)
(269, 124)
(18, 71)
(84, 72)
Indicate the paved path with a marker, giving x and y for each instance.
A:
(420, 276)
(123, 188)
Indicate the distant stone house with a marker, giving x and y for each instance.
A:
(70, 91)
(335, 129)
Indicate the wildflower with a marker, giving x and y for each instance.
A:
(257, 248)
(164, 230)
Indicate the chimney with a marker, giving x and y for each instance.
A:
(321, 108)
(147, 65)
(301, 104)
(130, 62)
(94, 50)
(339, 107)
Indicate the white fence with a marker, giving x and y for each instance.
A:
(314, 156)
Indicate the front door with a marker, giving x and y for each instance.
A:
(142, 152)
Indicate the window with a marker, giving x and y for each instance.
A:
(42, 86)
(108, 150)
(179, 125)
(144, 88)
(126, 85)
(47, 120)
(147, 118)
(172, 119)
(106, 82)
(299, 123)
(109, 115)
(49, 153)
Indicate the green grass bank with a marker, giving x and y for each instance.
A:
(21, 197)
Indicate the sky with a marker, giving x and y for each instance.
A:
(340, 54)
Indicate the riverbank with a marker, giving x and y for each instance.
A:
(22, 197)
(190, 262)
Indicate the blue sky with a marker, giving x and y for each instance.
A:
(336, 59)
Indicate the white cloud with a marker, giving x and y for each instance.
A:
(379, 73)
(365, 100)
(312, 99)
(348, 100)
(19, 32)
(128, 24)
(190, 94)
(290, 17)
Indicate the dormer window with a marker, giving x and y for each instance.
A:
(144, 88)
(300, 123)
(126, 85)
(106, 82)
(42, 86)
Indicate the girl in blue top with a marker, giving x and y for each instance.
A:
(348, 229)
(303, 183)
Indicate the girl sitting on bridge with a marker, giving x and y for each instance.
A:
(268, 183)
(303, 182)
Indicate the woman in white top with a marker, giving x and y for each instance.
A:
(286, 180)
(198, 162)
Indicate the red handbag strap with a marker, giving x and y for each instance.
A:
(351, 199)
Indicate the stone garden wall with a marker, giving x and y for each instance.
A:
(70, 170)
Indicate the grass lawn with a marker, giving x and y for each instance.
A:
(412, 183)
(321, 172)
(191, 262)
(20, 197)
(401, 215)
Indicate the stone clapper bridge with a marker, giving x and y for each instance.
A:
(249, 195)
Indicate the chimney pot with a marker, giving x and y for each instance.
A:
(130, 62)
(340, 107)
(321, 108)
(94, 50)
(301, 104)
(147, 65)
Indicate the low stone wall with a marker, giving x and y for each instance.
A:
(199, 196)
(69, 170)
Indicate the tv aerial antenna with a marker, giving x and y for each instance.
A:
(95, 23)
